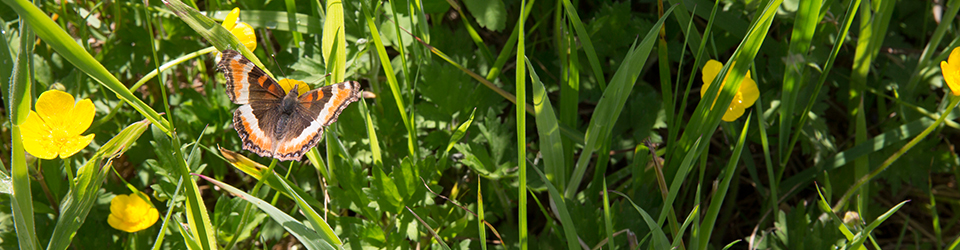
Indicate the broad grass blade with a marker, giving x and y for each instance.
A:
(307, 236)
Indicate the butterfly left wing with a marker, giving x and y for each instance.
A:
(246, 82)
(317, 109)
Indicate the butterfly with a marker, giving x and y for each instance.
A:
(272, 123)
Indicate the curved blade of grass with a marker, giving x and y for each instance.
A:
(569, 229)
(659, 238)
(212, 31)
(20, 99)
(67, 47)
(457, 135)
(307, 236)
(391, 79)
(549, 130)
(694, 214)
(861, 237)
(254, 169)
(318, 223)
(612, 101)
(584, 38)
(78, 201)
(710, 218)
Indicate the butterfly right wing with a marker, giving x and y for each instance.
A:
(246, 82)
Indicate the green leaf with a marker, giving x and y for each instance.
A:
(549, 130)
(491, 14)
(307, 237)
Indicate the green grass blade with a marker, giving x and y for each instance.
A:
(569, 229)
(480, 216)
(847, 21)
(436, 236)
(67, 47)
(318, 223)
(372, 135)
(659, 238)
(549, 132)
(291, 6)
(607, 218)
(584, 38)
(391, 79)
(710, 218)
(20, 100)
(804, 27)
(520, 104)
(862, 236)
(78, 202)
(308, 237)
(611, 104)
(334, 41)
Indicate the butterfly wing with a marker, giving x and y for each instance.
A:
(246, 82)
(317, 109)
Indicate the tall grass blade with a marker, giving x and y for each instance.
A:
(710, 218)
(334, 41)
(20, 99)
(584, 38)
(612, 101)
(521, 91)
(551, 148)
(569, 229)
(391, 79)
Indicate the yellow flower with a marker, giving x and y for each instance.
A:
(243, 31)
(745, 97)
(130, 213)
(951, 71)
(287, 85)
(54, 129)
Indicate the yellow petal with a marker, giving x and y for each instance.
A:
(244, 32)
(231, 19)
(287, 85)
(74, 144)
(734, 112)
(37, 137)
(81, 117)
(952, 77)
(118, 223)
(54, 107)
(749, 91)
(710, 71)
(954, 58)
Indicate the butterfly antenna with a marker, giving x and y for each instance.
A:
(278, 65)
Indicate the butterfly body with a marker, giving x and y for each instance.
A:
(274, 123)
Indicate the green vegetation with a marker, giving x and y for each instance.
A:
(487, 124)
